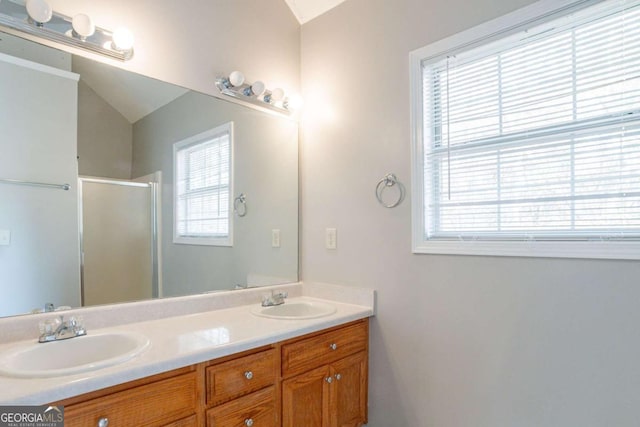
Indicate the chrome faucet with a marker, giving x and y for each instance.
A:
(60, 329)
(274, 299)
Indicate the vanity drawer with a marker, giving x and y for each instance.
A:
(240, 376)
(156, 404)
(257, 410)
(309, 353)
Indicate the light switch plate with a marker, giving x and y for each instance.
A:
(331, 238)
(5, 237)
(275, 238)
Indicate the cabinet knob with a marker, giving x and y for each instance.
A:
(248, 375)
(338, 377)
(248, 422)
(333, 346)
(329, 380)
(103, 422)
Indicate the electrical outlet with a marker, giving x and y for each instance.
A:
(331, 238)
(275, 238)
(5, 237)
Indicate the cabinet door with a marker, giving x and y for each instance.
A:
(305, 399)
(348, 395)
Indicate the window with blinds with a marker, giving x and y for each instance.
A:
(535, 136)
(202, 178)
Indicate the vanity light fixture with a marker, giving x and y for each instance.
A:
(39, 11)
(83, 26)
(122, 40)
(38, 19)
(256, 93)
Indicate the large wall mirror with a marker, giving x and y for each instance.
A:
(110, 134)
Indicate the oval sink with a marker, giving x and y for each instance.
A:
(71, 356)
(295, 310)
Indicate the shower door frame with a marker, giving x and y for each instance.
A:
(156, 282)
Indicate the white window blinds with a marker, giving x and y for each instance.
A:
(537, 136)
(202, 188)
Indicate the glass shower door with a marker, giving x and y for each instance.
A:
(117, 238)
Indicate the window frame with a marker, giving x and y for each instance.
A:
(227, 240)
(487, 32)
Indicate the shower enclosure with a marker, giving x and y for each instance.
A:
(119, 240)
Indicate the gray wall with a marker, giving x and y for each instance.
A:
(105, 137)
(457, 340)
(38, 143)
(265, 169)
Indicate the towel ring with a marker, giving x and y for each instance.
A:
(240, 205)
(389, 180)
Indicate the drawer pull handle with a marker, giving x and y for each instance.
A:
(248, 375)
(329, 380)
(333, 346)
(338, 377)
(248, 422)
(103, 422)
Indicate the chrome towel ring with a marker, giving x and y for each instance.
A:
(389, 180)
(240, 205)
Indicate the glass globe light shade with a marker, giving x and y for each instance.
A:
(236, 78)
(295, 102)
(257, 88)
(277, 94)
(39, 11)
(83, 25)
(122, 39)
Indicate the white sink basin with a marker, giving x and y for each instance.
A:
(295, 310)
(71, 356)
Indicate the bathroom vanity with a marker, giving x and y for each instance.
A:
(317, 379)
(226, 366)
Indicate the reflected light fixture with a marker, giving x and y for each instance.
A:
(83, 26)
(122, 40)
(257, 94)
(39, 11)
(38, 19)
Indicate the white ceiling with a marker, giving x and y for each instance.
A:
(306, 10)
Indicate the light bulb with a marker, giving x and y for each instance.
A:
(122, 39)
(39, 11)
(295, 102)
(83, 25)
(277, 94)
(236, 78)
(257, 88)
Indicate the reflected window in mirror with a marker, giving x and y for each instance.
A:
(203, 171)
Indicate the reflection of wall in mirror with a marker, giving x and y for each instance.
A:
(38, 143)
(265, 168)
(266, 149)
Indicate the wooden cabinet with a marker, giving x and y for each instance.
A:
(333, 393)
(248, 386)
(240, 376)
(317, 380)
(257, 409)
(169, 399)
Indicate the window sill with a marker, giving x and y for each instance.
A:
(587, 250)
(203, 241)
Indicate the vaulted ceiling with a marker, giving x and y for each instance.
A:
(306, 10)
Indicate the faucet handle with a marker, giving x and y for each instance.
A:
(76, 322)
(49, 326)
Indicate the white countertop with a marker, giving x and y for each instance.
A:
(181, 341)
